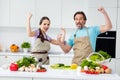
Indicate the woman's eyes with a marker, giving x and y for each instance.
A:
(47, 24)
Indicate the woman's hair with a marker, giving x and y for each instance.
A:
(43, 18)
(80, 12)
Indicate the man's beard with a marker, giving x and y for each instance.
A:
(79, 25)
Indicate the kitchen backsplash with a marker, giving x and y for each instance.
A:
(17, 35)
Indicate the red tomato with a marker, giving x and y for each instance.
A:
(104, 67)
(91, 72)
(41, 70)
(13, 67)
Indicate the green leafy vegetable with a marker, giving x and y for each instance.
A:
(26, 61)
(97, 57)
(90, 64)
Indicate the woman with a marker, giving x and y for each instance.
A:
(41, 44)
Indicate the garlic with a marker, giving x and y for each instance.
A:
(85, 67)
(34, 69)
(97, 67)
(26, 69)
(79, 68)
(22, 68)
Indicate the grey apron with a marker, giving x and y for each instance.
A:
(41, 48)
(82, 48)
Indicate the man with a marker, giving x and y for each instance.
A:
(83, 40)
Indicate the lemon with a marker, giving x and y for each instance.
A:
(73, 66)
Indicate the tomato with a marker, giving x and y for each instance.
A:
(41, 70)
(91, 72)
(104, 67)
(13, 67)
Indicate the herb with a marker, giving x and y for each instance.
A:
(25, 45)
(26, 61)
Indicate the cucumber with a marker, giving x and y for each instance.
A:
(59, 65)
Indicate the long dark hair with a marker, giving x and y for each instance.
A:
(43, 18)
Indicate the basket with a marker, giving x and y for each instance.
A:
(103, 61)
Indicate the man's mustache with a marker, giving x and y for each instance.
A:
(80, 24)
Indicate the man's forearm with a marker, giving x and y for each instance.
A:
(65, 47)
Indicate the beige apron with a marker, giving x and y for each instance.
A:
(40, 49)
(82, 48)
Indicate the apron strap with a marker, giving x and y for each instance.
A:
(89, 38)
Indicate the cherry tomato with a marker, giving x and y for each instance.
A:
(13, 67)
(104, 67)
(41, 70)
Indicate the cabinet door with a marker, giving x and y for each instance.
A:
(8, 59)
(69, 7)
(119, 3)
(104, 3)
(118, 43)
(97, 18)
(118, 21)
(11, 78)
(66, 60)
(112, 65)
(3, 60)
(50, 8)
(4, 13)
(19, 10)
(118, 66)
(13, 58)
(54, 59)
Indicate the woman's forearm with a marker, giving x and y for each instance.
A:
(28, 26)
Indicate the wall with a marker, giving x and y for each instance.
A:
(13, 17)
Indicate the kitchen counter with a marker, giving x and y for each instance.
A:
(29, 54)
(56, 74)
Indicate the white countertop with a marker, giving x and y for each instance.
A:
(59, 74)
(29, 54)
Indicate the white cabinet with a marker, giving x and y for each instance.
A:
(4, 13)
(119, 3)
(19, 10)
(6, 59)
(54, 59)
(118, 21)
(97, 18)
(105, 3)
(118, 66)
(61, 58)
(66, 60)
(14, 78)
(112, 64)
(51, 9)
(69, 7)
(3, 60)
(118, 43)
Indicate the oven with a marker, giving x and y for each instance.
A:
(107, 42)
